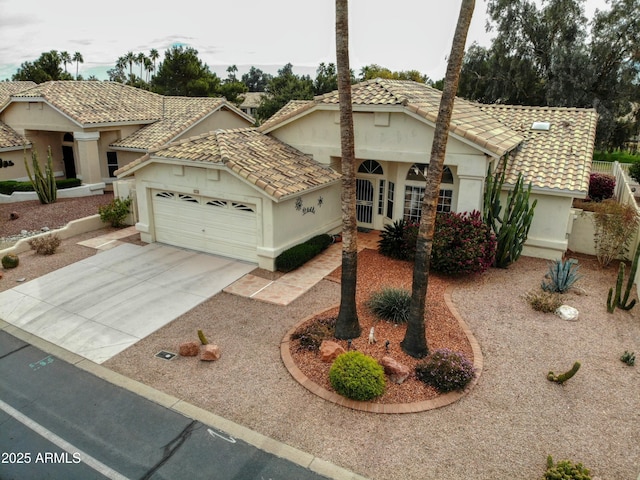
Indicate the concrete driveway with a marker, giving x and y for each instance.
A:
(103, 304)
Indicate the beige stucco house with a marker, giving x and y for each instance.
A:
(94, 128)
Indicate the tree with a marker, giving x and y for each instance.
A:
(77, 57)
(369, 72)
(256, 80)
(44, 69)
(415, 342)
(140, 58)
(154, 56)
(326, 79)
(183, 73)
(231, 87)
(347, 324)
(130, 58)
(65, 58)
(282, 88)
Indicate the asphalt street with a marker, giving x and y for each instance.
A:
(58, 421)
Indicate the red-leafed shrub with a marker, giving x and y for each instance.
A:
(462, 244)
(601, 186)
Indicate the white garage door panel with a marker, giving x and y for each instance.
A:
(210, 225)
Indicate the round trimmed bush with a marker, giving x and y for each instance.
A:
(10, 260)
(357, 376)
(391, 304)
(446, 370)
(601, 186)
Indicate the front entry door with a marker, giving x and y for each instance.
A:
(364, 201)
(69, 162)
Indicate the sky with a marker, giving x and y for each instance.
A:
(397, 34)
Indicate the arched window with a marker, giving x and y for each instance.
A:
(68, 137)
(418, 173)
(370, 166)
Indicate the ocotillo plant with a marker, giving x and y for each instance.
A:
(618, 301)
(512, 228)
(44, 185)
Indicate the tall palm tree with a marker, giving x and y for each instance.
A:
(347, 324)
(65, 58)
(148, 67)
(77, 57)
(130, 57)
(415, 342)
(140, 60)
(154, 55)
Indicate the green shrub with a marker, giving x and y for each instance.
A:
(561, 276)
(298, 255)
(545, 302)
(446, 370)
(616, 156)
(629, 358)
(398, 240)
(45, 245)
(391, 304)
(462, 244)
(310, 336)
(7, 187)
(115, 212)
(601, 186)
(10, 260)
(565, 470)
(357, 376)
(615, 225)
(634, 171)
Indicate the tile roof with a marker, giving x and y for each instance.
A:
(251, 99)
(93, 102)
(467, 120)
(9, 88)
(271, 165)
(558, 159)
(10, 139)
(179, 113)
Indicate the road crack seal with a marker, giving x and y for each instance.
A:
(171, 448)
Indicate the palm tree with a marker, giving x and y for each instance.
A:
(347, 325)
(415, 342)
(130, 58)
(140, 60)
(65, 58)
(154, 55)
(77, 57)
(148, 66)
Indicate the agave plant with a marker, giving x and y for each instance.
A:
(561, 276)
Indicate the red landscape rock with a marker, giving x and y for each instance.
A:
(210, 353)
(330, 350)
(189, 349)
(397, 372)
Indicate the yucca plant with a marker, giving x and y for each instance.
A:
(391, 304)
(561, 276)
(44, 184)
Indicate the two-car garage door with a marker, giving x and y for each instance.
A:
(211, 225)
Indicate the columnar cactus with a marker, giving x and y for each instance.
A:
(43, 184)
(618, 300)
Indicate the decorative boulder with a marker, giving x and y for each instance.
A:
(330, 350)
(566, 312)
(189, 349)
(397, 372)
(210, 353)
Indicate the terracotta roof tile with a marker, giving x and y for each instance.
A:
(273, 166)
(559, 158)
(92, 102)
(10, 88)
(10, 139)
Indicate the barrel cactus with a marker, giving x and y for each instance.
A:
(10, 260)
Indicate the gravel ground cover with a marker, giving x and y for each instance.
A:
(504, 428)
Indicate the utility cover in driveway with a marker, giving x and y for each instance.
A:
(103, 304)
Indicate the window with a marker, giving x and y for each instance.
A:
(112, 163)
(381, 197)
(390, 199)
(370, 166)
(413, 202)
(418, 172)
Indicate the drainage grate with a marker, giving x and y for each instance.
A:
(165, 355)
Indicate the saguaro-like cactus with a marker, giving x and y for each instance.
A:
(512, 228)
(618, 300)
(43, 184)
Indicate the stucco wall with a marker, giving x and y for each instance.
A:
(552, 221)
(23, 116)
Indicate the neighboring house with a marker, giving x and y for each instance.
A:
(237, 193)
(93, 128)
(394, 123)
(251, 102)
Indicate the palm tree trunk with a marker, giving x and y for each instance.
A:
(347, 325)
(415, 341)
